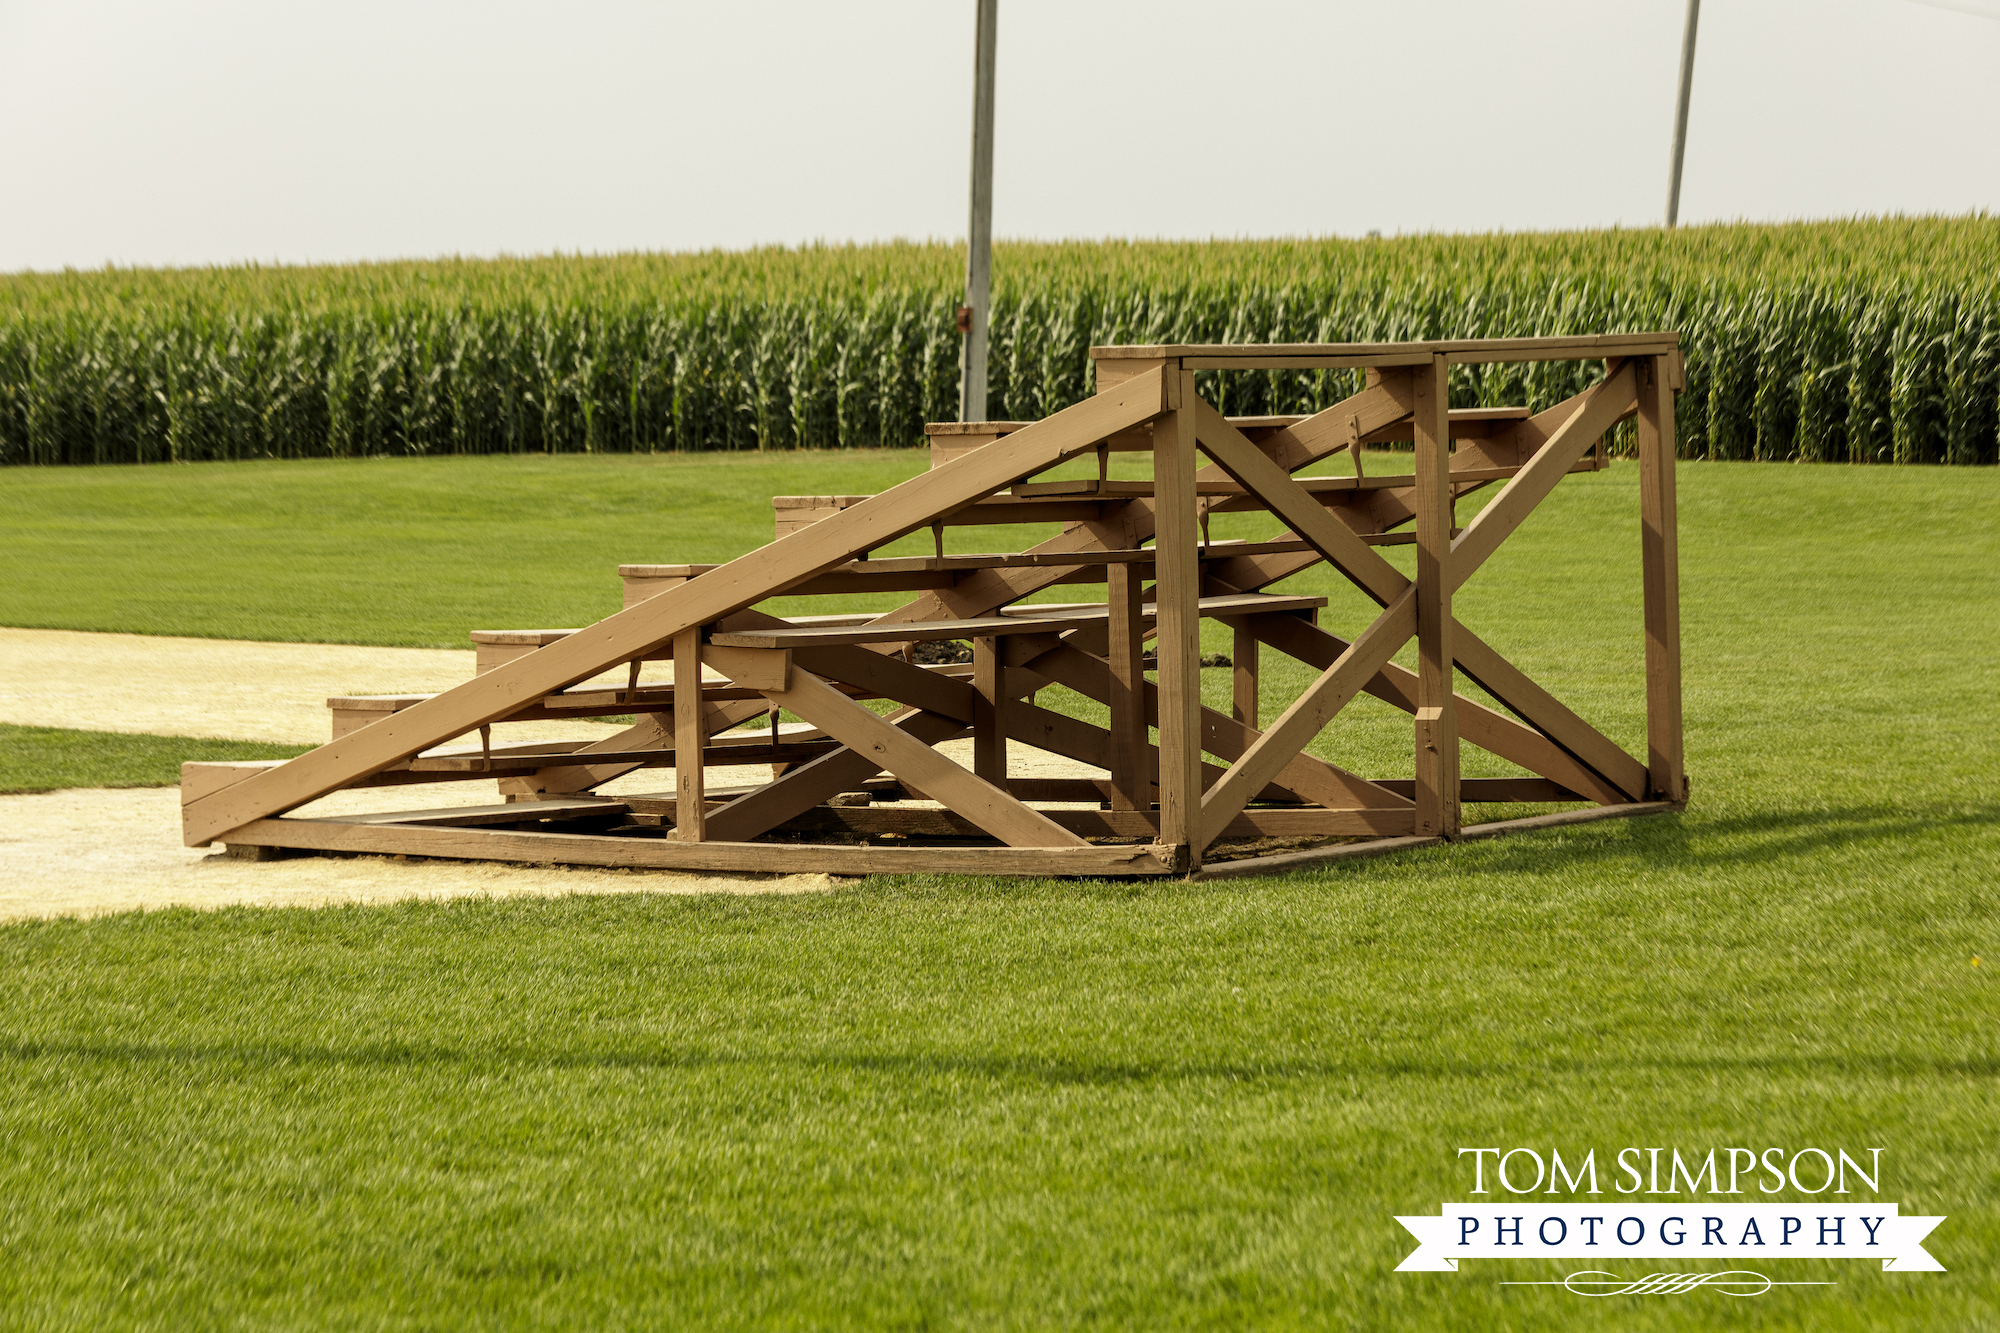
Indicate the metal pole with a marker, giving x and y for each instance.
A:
(979, 236)
(1681, 115)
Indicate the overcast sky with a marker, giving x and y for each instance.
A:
(212, 131)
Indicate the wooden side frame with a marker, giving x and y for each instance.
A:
(1147, 400)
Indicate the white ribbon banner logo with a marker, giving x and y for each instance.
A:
(1687, 1231)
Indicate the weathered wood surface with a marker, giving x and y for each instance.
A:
(1436, 742)
(1660, 570)
(1177, 594)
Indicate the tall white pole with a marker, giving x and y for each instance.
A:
(1681, 115)
(979, 236)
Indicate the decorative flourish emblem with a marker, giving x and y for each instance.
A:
(1735, 1282)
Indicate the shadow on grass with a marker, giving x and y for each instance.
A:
(234, 1060)
(1765, 839)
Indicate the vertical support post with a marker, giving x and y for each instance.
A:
(1666, 773)
(690, 737)
(1131, 779)
(1681, 115)
(989, 726)
(1243, 656)
(1177, 594)
(979, 234)
(1437, 719)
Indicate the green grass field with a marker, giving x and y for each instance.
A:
(46, 758)
(981, 1103)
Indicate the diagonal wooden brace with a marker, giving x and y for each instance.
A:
(1496, 733)
(895, 750)
(642, 628)
(1389, 508)
(1601, 405)
(810, 784)
(1309, 714)
(1306, 776)
(1296, 506)
(1546, 713)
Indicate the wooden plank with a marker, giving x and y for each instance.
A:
(1304, 822)
(689, 737)
(642, 628)
(1659, 546)
(1341, 426)
(1131, 746)
(515, 812)
(202, 779)
(1061, 789)
(1243, 702)
(1574, 347)
(934, 429)
(900, 753)
(1491, 731)
(1309, 713)
(884, 677)
(1636, 348)
(1565, 818)
(1082, 486)
(1072, 738)
(1226, 492)
(1287, 862)
(1546, 713)
(1178, 642)
(1309, 362)
(906, 632)
(927, 574)
(1352, 493)
(1291, 503)
(649, 731)
(1284, 863)
(1114, 374)
(1486, 791)
(1084, 860)
(515, 773)
(1601, 405)
(760, 669)
(1466, 423)
(989, 723)
(1437, 721)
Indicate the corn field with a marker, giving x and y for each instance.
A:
(1859, 341)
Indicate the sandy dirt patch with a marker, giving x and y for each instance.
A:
(86, 853)
(89, 853)
(228, 689)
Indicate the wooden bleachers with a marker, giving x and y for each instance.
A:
(1169, 785)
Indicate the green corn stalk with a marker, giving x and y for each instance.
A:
(1869, 340)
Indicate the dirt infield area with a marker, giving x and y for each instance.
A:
(86, 853)
(224, 688)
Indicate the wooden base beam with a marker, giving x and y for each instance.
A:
(1284, 862)
(329, 835)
